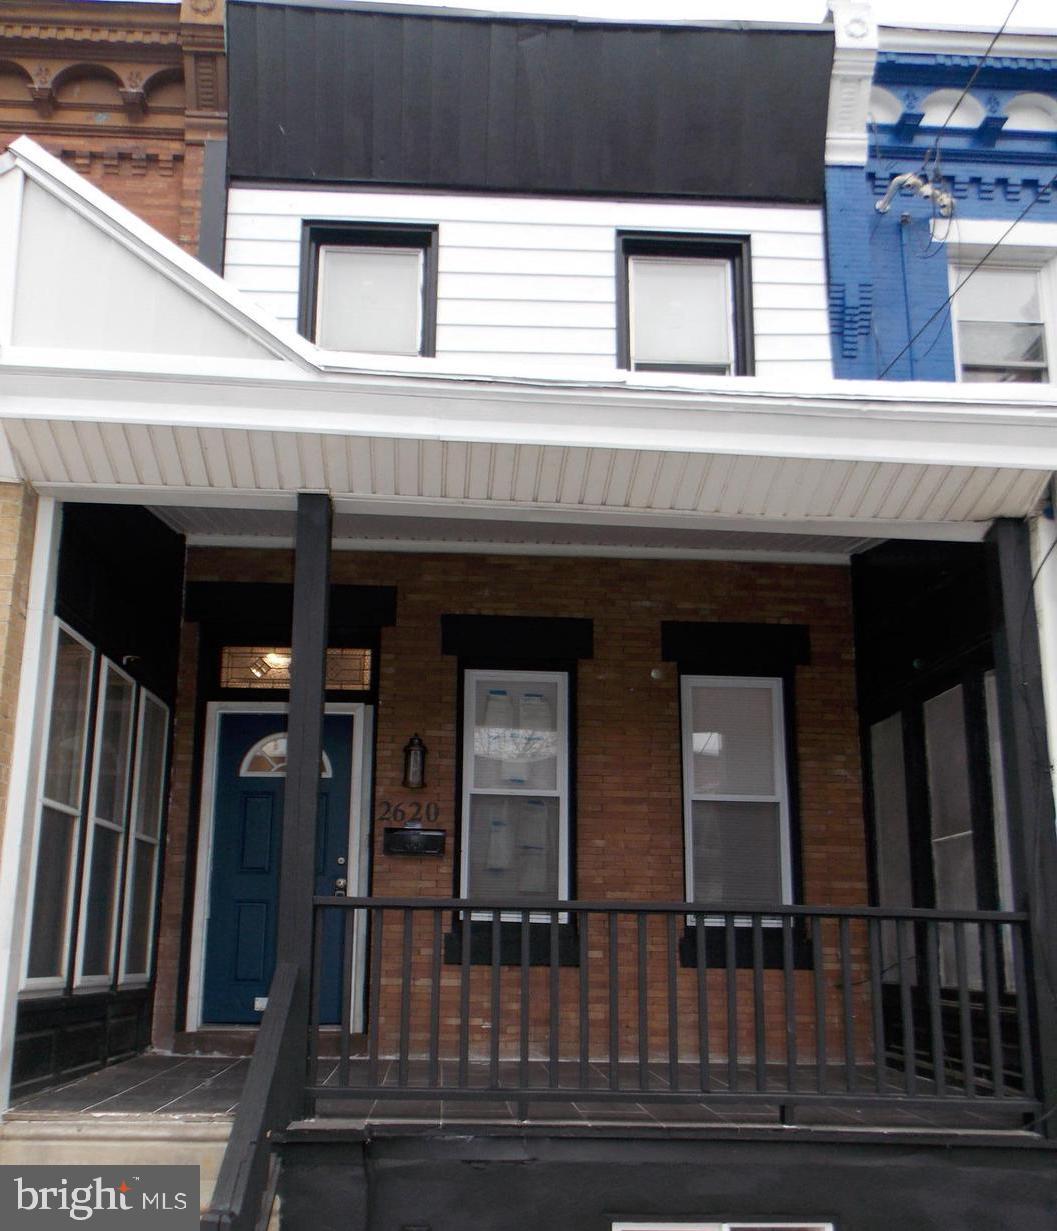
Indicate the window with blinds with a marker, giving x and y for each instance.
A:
(736, 791)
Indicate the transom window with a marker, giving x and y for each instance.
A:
(515, 784)
(267, 668)
(685, 304)
(736, 791)
(1002, 325)
(267, 759)
(370, 287)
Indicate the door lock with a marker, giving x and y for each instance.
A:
(339, 886)
(341, 861)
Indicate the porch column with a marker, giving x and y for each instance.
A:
(304, 739)
(1029, 794)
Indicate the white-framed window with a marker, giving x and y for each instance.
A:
(1004, 314)
(144, 841)
(515, 785)
(370, 287)
(100, 809)
(735, 791)
(60, 811)
(107, 817)
(684, 305)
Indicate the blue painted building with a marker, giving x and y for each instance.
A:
(937, 178)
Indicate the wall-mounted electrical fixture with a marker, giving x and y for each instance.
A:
(924, 188)
(414, 763)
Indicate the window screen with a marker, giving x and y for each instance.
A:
(370, 299)
(680, 312)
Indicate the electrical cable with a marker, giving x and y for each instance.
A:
(1043, 189)
(934, 153)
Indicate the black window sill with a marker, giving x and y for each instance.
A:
(539, 946)
(772, 948)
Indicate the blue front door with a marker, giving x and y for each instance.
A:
(244, 885)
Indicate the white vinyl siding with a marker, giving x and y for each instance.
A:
(529, 285)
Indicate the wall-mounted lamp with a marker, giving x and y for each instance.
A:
(414, 763)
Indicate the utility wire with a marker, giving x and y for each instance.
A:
(934, 153)
(1043, 189)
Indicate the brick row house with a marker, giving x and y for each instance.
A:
(532, 619)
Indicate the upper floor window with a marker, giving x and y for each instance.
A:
(369, 287)
(1002, 324)
(685, 303)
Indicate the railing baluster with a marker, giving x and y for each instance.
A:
(759, 1020)
(789, 977)
(994, 1028)
(932, 961)
(817, 962)
(640, 976)
(464, 1001)
(348, 956)
(523, 1040)
(614, 992)
(704, 1060)
(315, 994)
(877, 1004)
(847, 1003)
(434, 999)
(673, 1004)
(375, 941)
(555, 1002)
(406, 961)
(493, 1059)
(965, 1022)
(906, 1006)
(729, 937)
(1027, 1062)
(583, 923)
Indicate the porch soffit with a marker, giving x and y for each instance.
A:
(515, 482)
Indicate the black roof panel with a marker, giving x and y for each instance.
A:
(436, 100)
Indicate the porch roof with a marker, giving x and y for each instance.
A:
(130, 372)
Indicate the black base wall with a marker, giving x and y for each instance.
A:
(449, 1182)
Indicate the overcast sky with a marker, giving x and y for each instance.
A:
(978, 14)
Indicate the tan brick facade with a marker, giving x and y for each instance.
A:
(126, 94)
(18, 506)
(629, 834)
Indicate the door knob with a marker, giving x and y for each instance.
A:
(339, 885)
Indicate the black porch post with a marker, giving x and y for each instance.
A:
(304, 732)
(1029, 791)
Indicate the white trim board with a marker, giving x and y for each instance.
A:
(19, 822)
(358, 851)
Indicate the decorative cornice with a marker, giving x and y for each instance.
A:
(854, 57)
(52, 33)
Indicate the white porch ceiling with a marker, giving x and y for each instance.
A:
(184, 462)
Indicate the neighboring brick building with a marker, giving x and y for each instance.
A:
(127, 94)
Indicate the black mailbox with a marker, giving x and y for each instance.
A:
(398, 841)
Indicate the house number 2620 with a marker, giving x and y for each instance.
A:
(409, 812)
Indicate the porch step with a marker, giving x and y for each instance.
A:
(106, 1139)
(235, 1041)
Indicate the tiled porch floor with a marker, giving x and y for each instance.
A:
(209, 1087)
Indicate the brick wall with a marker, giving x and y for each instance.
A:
(629, 828)
(18, 506)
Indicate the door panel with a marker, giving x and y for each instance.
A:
(247, 845)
